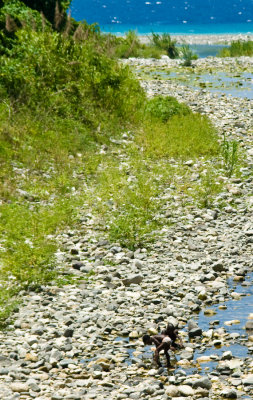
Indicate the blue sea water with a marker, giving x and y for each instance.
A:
(173, 16)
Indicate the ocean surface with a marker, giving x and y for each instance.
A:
(173, 16)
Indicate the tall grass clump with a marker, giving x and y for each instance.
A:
(165, 43)
(237, 49)
(130, 46)
(230, 156)
(187, 55)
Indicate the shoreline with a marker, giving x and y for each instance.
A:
(204, 38)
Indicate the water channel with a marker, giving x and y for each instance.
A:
(234, 84)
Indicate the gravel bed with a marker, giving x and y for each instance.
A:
(83, 341)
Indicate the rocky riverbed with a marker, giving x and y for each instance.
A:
(83, 341)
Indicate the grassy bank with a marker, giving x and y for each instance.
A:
(76, 128)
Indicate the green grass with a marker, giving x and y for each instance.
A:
(237, 49)
(183, 136)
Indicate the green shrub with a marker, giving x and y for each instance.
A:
(163, 108)
(230, 156)
(67, 78)
(13, 16)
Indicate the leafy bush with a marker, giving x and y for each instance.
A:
(67, 78)
(15, 15)
(163, 108)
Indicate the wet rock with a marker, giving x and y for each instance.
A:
(232, 322)
(138, 264)
(134, 335)
(195, 332)
(186, 355)
(77, 265)
(4, 371)
(192, 325)
(209, 312)
(68, 332)
(227, 355)
(203, 359)
(219, 266)
(33, 385)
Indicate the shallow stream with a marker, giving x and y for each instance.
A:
(224, 314)
(237, 84)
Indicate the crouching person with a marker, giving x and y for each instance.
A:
(162, 342)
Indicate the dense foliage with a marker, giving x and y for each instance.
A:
(52, 9)
(66, 78)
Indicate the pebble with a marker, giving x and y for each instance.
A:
(19, 387)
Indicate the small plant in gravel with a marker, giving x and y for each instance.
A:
(208, 188)
(230, 156)
(187, 55)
